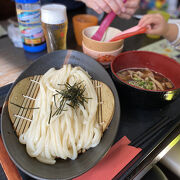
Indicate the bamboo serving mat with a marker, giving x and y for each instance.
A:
(25, 92)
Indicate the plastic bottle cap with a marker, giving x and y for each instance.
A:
(26, 1)
(53, 14)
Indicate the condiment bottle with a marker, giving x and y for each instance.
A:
(28, 14)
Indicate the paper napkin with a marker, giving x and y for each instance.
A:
(115, 160)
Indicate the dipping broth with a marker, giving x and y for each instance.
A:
(145, 78)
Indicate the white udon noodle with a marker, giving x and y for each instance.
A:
(72, 131)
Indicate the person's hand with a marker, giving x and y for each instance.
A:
(155, 23)
(123, 10)
(130, 8)
(99, 6)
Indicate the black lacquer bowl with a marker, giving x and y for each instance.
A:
(63, 169)
(156, 62)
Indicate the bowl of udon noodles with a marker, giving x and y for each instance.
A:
(146, 79)
(52, 121)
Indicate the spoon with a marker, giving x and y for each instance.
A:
(129, 32)
(104, 25)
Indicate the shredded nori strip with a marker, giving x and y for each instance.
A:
(72, 95)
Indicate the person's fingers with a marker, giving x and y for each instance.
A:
(149, 29)
(132, 4)
(104, 6)
(121, 5)
(115, 6)
(148, 19)
(93, 4)
(156, 18)
(154, 31)
(155, 25)
(142, 20)
(145, 22)
(128, 8)
(98, 9)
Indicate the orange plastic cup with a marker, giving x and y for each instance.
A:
(80, 22)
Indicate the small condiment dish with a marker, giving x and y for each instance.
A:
(103, 45)
(105, 58)
(103, 51)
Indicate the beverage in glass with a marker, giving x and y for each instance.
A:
(55, 24)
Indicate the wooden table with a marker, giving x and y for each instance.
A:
(12, 61)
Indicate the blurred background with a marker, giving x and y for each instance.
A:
(7, 8)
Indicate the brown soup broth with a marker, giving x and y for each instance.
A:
(145, 78)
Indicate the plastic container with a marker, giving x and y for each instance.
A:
(28, 14)
(80, 22)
